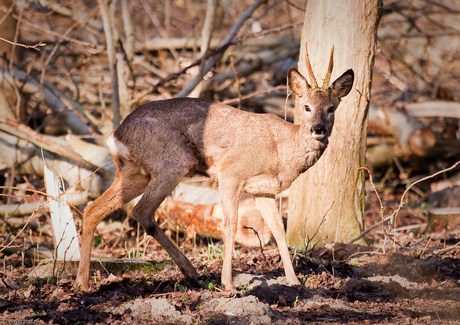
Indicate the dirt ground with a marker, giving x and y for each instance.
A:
(408, 274)
(414, 283)
(404, 276)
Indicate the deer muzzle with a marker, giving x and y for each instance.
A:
(318, 131)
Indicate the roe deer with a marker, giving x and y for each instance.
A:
(163, 141)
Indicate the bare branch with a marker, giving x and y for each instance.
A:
(227, 42)
(129, 33)
(112, 61)
(35, 47)
(205, 41)
(393, 216)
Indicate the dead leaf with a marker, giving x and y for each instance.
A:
(283, 300)
(29, 291)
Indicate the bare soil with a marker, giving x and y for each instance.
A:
(342, 284)
(404, 276)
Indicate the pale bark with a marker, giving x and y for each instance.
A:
(206, 220)
(128, 27)
(328, 199)
(206, 35)
(112, 61)
(159, 43)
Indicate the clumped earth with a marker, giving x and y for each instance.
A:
(415, 284)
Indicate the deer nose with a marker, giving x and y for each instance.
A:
(318, 129)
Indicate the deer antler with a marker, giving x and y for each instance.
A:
(314, 84)
(327, 79)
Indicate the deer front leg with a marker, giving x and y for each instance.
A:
(267, 207)
(229, 197)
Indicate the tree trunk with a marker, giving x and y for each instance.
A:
(326, 203)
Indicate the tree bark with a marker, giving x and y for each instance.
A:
(326, 203)
(206, 35)
(103, 7)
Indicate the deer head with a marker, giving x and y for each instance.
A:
(319, 103)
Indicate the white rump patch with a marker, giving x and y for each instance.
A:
(116, 147)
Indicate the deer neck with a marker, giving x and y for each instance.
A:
(307, 150)
(297, 153)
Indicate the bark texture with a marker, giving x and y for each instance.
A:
(326, 203)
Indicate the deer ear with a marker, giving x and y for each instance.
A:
(297, 82)
(342, 85)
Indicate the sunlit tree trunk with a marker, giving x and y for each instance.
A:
(326, 203)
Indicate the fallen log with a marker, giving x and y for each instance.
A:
(203, 216)
(26, 133)
(448, 218)
(16, 222)
(157, 44)
(445, 183)
(434, 109)
(28, 157)
(412, 139)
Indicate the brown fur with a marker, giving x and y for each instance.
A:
(161, 142)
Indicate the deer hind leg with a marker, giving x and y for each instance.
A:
(267, 207)
(229, 198)
(127, 185)
(161, 185)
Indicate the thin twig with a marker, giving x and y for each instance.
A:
(399, 58)
(42, 29)
(53, 51)
(446, 249)
(226, 43)
(122, 231)
(254, 94)
(260, 241)
(25, 226)
(401, 203)
(106, 244)
(392, 217)
(309, 240)
(35, 47)
(26, 133)
(215, 52)
(375, 189)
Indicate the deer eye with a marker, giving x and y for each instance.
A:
(307, 108)
(330, 110)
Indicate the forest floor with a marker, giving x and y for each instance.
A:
(405, 276)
